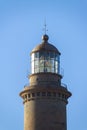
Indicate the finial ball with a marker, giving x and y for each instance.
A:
(45, 37)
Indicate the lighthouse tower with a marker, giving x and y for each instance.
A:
(45, 98)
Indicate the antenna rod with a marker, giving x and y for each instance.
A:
(45, 26)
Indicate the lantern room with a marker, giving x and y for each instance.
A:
(45, 58)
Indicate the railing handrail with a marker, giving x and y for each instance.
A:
(26, 85)
(64, 85)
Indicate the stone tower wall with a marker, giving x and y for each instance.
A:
(45, 114)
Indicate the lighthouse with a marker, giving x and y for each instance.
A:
(45, 98)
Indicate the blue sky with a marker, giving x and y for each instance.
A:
(21, 29)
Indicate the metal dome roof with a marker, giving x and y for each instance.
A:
(45, 46)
